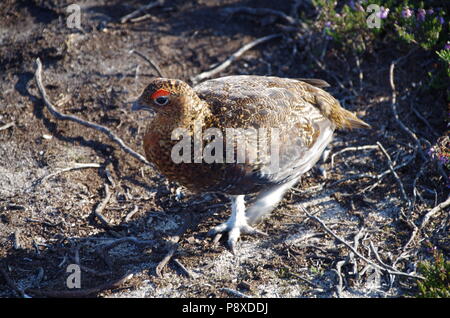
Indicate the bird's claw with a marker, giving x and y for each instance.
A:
(234, 232)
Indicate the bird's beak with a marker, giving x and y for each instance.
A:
(136, 105)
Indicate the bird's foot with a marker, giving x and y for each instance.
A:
(234, 230)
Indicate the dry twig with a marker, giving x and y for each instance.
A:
(11, 283)
(234, 293)
(166, 259)
(424, 120)
(60, 116)
(415, 191)
(394, 173)
(394, 108)
(380, 176)
(183, 269)
(305, 280)
(174, 245)
(141, 18)
(232, 58)
(7, 126)
(423, 223)
(358, 148)
(131, 214)
(135, 13)
(74, 167)
(261, 12)
(329, 231)
(103, 249)
(80, 292)
(149, 61)
(99, 209)
(340, 283)
(433, 212)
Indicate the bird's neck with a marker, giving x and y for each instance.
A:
(166, 122)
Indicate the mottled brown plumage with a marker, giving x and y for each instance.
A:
(303, 114)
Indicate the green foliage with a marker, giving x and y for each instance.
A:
(445, 57)
(347, 27)
(437, 278)
(418, 23)
(361, 26)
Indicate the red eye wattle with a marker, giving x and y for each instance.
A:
(159, 93)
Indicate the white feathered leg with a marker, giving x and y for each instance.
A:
(266, 201)
(236, 223)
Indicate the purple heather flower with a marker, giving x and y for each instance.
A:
(443, 159)
(383, 13)
(430, 11)
(441, 20)
(447, 46)
(421, 15)
(359, 7)
(351, 4)
(406, 13)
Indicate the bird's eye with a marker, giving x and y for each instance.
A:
(161, 100)
(160, 97)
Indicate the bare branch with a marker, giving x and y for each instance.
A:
(434, 211)
(397, 178)
(8, 125)
(11, 283)
(60, 116)
(80, 292)
(99, 209)
(166, 259)
(131, 214)
(260, 12)
(74, 167)
(394, 108)
(103, 249)
(183, 269)
(174, 245)
(358, 148)
(149, 61)
(234, 293)
(233, 58)
(135, 13)
(382, 268)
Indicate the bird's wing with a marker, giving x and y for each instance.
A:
(286, 119)
(314, 82)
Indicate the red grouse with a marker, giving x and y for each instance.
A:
(240, 135)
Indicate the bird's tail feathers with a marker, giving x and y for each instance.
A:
(346, 119)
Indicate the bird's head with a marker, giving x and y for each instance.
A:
(166, 96)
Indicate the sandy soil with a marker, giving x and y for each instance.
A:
(47, 224)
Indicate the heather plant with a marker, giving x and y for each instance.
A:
(357, 25)
(437, 277)
(445, 57)
(441, 152)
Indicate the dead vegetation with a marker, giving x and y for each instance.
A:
(356, 227)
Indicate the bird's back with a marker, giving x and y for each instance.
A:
(288, 111)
